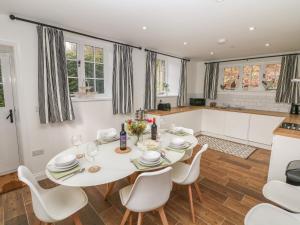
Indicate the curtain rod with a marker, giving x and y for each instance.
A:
(13, 17)
(259, 57)
(148, 50)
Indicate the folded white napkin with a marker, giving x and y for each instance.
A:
(106, 133)
(183, 129)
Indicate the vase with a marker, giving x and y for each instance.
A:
(137, 139)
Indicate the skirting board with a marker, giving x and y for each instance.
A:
(255, 144)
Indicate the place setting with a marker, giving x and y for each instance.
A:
(179, 131)
(178, 145)
(107, 136)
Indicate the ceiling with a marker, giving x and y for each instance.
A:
(170, 23)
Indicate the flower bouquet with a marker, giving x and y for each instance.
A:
(136, 127)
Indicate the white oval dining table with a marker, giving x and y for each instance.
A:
(114, 166)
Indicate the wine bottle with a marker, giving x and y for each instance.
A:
(123, 138)
(153, 130)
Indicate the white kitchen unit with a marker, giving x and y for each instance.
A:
(261, 128)
(284, 150)
(213, 121)
(237, 125)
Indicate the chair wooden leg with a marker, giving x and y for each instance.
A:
(197, 190)
(162, 215)
(76, 219)
(140, 218)
(125, 217)
(191, 203)
(130, 219)
(38, 222)
(109, 189)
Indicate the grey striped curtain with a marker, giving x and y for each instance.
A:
(122, 85)
(211, 80)
(288, 91)
(150, 85)
(53, 89)
(182, 95)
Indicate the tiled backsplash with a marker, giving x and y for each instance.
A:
(251, 100)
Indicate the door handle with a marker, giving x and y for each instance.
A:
(10, 116)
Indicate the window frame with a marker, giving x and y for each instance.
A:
(241, 65)
(166, 75)
(107, 95)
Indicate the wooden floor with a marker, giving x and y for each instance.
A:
(230, 186)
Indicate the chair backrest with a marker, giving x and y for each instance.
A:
(194, 170)
(150, 191)
(36, 190)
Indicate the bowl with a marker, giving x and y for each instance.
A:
(177, 141)
(151, 156)
(64, 160)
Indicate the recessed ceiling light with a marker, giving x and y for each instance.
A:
(211, 53)
(144, 28)
(267, 44)
(185, 43)
(222, 41)
(251, 28)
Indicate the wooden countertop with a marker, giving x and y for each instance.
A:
(278, 131)
(192, 108)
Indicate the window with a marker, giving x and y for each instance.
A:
(85, 67)
(251, 76)
(231, 78)
(2, 102)
(71, 56)
(271, 76)
(161, 79)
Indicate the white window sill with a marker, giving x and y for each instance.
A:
(91, 98)
(167, 96)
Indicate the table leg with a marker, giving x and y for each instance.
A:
(109, 189)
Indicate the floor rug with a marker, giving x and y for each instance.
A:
(10, 182)
(229, 147)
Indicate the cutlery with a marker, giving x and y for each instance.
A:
(72, 174)
(163, 155)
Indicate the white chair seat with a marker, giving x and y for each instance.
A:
(267, 214)
(63, 201)
(125, 193)
(285, 195)
(179, 172)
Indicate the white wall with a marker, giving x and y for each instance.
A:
(90, 115)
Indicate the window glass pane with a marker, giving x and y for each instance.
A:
(71, 50)
(73, 85)
(251, 76)
(161, 76)
(89, 70)
(72, 68)
(271, 76)
(231, 78)
(88, 53)
(100, 86)
(98, 55)
(91, 84)
(99, 71)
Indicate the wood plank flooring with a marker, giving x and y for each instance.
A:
(230, 186)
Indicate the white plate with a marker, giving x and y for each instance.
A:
(150, 156)
(67, 166)
(53, 168)
(64, 160)
(185, 145)
(150, 164)
(177, 141)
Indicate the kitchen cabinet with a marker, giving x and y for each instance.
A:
(213, 121)
(261, 128)
(237, 125)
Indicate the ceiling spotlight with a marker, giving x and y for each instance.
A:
(144, 28)
(251, 28)
(222, 41)
(267, 44)
(185, 43)
(211, 53)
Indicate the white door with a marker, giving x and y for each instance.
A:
(9, 157)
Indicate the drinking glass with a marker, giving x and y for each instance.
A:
(92, 151)
(76, 140)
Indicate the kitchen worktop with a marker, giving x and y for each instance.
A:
(278, 131)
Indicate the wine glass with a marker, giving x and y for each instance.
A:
(92, 151)
(76, 140)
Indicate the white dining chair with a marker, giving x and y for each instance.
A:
(185, 174)
(285, 195)
(55, 204)
(150, 191)
(267, 214)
